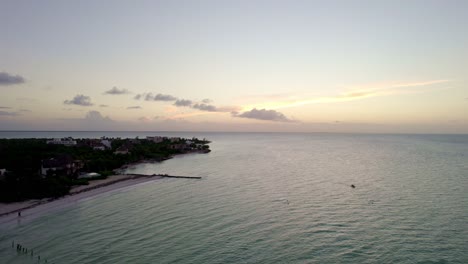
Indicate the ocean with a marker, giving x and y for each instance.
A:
(269, 198)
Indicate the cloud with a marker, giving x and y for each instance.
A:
(183, 102)
(355, 93)
(103, 105)
(205, 107)
(229, 109)
(158, 97)
(116, 91)
(5, 107)
(263, 114)
(24, 110)
(149, 97)
(79, 99)
(5, 113)
(7, 79)
(212, 108)
(144, 119)
(185, 115)
(164, 97)
(95, 116)
(134, 107)
(147, 119)
(26, 99)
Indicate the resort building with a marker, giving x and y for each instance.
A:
(106, 143)
(101, 147)
(64, 141)
(61, 164)
(122, 150)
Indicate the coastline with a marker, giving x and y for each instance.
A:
(33, 208)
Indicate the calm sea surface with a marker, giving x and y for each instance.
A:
(270, 198)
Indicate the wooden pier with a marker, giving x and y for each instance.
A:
(165, 176)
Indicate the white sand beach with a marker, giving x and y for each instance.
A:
(33, 208)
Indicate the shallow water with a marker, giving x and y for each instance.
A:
(273, 198)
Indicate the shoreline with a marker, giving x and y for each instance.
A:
(31, 208)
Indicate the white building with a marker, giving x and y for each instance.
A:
(122, 150)
(107, 143)
(64, 141)
(102, 147)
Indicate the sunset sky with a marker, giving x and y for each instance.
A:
(296, 66)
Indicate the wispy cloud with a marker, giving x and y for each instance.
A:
(147, 119)
(134, 107)
(192, 114)
(6, 113)
(157, 97)
(8, 79)
(380, 86)
(353, 93)
(212, 108)
(79, 99)
(9, 113)
(263, 114)
(103, 105)
(26, 99)
(116, 91)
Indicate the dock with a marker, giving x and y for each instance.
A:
(164, 176)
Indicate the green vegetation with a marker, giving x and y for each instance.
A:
(28, 162)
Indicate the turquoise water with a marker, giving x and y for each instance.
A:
(273, 198)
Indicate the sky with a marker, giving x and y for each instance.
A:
(266, 66)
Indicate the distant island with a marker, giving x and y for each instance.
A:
(49, 168)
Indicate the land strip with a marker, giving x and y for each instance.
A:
(14, 208)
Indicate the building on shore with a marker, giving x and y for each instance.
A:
(63, 164)
(155, 139)
(122, 150)
(62, 141)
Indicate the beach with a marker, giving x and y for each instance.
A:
(31, 209)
